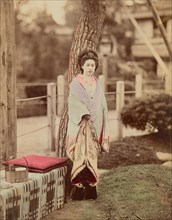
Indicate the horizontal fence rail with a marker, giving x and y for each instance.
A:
(31, 84)
(33, 98)
(33, 131)
(51, 113)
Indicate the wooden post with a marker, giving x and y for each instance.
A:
(168, 80)
(138, 85)
(119, 106)
(60, 94)
(102, 82)
(8, 127)
(169, 25)
(51, 113)
(160, 27)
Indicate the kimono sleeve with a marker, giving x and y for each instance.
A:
(105, 116)
(76, 109)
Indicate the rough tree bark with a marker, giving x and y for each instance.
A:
(8, 138)
(86, 36)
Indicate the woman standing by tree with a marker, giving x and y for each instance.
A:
(87, 127)
(86, 35)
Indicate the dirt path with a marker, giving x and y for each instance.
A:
(77, 210)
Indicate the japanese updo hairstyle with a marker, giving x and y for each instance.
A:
(87, 55)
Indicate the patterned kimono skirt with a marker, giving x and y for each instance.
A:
(84, 171)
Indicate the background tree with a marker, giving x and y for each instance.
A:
(86, 36)
(72, 13)
(42, 53)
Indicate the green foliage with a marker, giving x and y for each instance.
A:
(153, 111)
(45, 54)
(35, 91)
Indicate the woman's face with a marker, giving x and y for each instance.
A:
(89, 67)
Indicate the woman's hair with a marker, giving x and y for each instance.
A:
(87, 55)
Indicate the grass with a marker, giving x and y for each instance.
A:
(136, 185)
(136, 192)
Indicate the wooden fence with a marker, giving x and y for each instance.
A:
(56, 99)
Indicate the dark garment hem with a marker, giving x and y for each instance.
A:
(85, 176)
(85, 193)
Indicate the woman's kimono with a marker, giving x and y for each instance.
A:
(85, 137)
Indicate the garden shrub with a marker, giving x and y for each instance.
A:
(153, 111)
(36, 91)
(36, 107)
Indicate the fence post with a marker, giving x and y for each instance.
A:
(168, 80)
(119, 106)
(51, 113)
(102, 82)
(138, 85)
(60, 94)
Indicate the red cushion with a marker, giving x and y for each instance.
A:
(37, 163)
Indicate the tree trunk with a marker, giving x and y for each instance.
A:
(86, 36)
(8, 139)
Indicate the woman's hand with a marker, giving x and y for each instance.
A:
(86, 117)
(105, 147)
